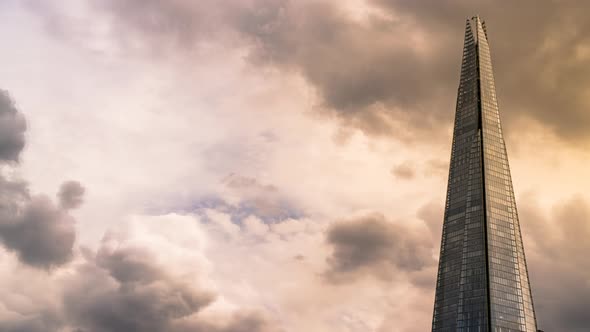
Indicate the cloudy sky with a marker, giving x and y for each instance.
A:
(272, 165)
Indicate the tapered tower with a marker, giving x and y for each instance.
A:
(482, 282)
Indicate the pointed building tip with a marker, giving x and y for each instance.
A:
(476, 23)
(475, 19)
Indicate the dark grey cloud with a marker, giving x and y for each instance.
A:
(557, 246)
(539, 55)
(71, 194)
(391, 69)
(40, 233)
(242, 321)
(372, 245)
(123, 289)
(14, 193)
(12, 129)
(44, 322)
(120, 288)
(129, 265)
(367, 75)
(541, 59)
(126, 291)
(404, 171)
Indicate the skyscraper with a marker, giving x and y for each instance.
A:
(482, 283)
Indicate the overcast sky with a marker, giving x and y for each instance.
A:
(272, 165)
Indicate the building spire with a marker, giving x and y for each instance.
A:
(482, 282)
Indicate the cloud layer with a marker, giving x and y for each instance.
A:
(326, 221)
(558, 268)
(386, 65)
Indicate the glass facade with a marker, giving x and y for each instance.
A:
(482, 283)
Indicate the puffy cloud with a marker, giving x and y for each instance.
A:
(41, 234)
(126, 291)
(71, 195)
(373, 245)
(134, 281)
(12, 129)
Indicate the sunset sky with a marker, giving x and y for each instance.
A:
(273, 165)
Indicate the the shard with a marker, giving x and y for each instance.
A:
(482, 283)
